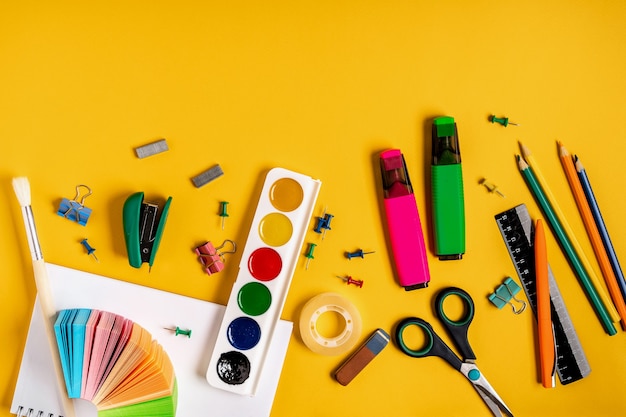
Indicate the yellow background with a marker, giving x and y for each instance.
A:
(319, 87)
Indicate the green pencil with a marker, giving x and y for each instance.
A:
(566, 245)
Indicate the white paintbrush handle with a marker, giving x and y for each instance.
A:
(49, 312)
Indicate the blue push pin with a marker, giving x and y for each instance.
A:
(323, 223)
(90, 250)
(357, 254)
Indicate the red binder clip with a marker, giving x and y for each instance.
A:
(212, 258)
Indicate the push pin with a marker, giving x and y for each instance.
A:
(505, 293)
(349, 280)
(212, 258)
(309, 255)
(223, 211)
(504, 121)
(74, 209)
(323, 223)
(178, 331)
(490, 187)
(357, 254)
(90, 250)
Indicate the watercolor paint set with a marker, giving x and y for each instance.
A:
(267, 265)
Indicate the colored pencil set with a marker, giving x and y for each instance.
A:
(611, 309)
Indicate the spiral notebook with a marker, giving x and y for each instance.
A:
(155, 310)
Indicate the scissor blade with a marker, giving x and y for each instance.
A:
(486, 391)
(496, 406)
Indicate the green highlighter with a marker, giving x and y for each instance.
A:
(447, 191)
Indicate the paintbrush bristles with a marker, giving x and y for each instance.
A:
(21, 186)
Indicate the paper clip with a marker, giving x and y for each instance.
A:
(74, 209)
(212, 258)
(505, 293)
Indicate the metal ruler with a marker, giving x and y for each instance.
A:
(516, 227)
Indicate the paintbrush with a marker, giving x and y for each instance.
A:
(21, 186)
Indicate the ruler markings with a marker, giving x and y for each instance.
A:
(516, 228)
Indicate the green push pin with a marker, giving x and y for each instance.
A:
(223, 212)
(309, 255)
(504, 121)
(178, 331)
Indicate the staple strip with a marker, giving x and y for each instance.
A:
(151, 149)
(207, 176)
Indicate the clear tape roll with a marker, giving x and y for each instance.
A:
(336, 345)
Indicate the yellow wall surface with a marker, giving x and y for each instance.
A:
(320, 88)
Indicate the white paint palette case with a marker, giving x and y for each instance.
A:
(267, 265)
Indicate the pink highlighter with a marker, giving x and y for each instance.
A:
(403, 221)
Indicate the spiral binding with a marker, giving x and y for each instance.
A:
(29, 412)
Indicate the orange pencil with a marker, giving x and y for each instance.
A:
(547, 355)
(593, 233)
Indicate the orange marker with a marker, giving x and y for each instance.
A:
(593, 233)
(547, 356)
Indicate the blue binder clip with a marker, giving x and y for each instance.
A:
(74, 209)
(505, 293)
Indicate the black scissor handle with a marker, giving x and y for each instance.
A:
(457, 329)
(434, 346)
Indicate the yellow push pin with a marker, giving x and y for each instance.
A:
(491, 187)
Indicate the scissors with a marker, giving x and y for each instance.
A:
(457, 330)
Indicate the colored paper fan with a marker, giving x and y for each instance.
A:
(114, 363)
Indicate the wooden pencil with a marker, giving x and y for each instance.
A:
(566, 245)
(597, 282)
(592, 232)
(604, 234)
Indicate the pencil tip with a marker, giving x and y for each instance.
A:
(578, 164)
(524, 149)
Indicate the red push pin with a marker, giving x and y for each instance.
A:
(348, 280)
